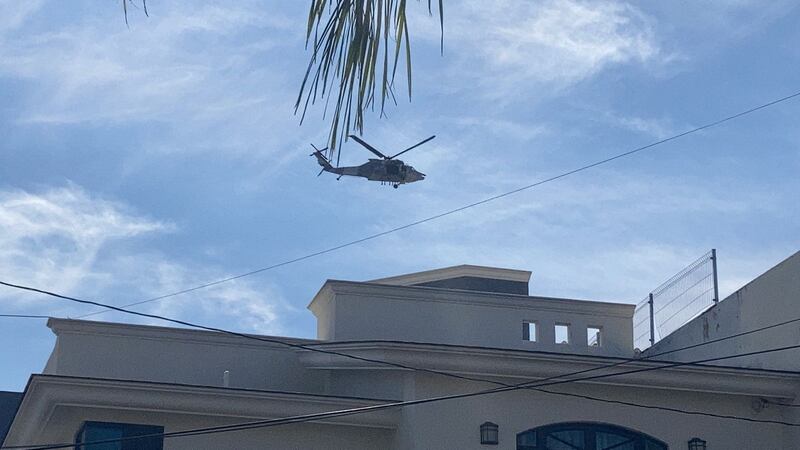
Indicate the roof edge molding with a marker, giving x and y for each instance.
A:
(464, 270)
(61, 327)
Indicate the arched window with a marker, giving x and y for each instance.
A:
(586, 436)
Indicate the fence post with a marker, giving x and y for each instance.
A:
(714, 268)
(652, 323)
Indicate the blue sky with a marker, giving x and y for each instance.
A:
(140, 161)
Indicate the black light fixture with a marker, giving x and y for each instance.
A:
(490, 433)
(697, 444)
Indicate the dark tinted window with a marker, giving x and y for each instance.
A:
(100, 431)
(586, 436)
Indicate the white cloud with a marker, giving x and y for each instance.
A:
(68, 241)
(53, 238)
(253, 305)
(602, 235)
(509, 44)
(657, 128)
(198, 69)
(14, 13)
(493, 126)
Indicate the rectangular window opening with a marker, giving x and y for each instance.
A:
(594, 336)
(529, 331)
(562, 333)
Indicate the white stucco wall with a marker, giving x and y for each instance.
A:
(360, 311)
(455, 424)
(134, 352)
(66, 421)
(480, 322)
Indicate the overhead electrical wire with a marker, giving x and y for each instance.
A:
(385, 362)
(232, 333)
(532, 385)
(462, 208)
(505, 388)
(24, 316)
(374, 236)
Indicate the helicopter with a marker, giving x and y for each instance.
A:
(387, 170)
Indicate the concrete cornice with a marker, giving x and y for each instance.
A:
(523, 365)
(496, 300)
(464, 270)
(47, 392)
(72, 326)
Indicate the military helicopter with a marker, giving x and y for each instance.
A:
(387, 170)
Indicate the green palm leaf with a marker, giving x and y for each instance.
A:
(349, 37)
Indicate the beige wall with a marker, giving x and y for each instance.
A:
(362, 311)
(454, 424)
(67, 420)
(132, 352)
(356, 311)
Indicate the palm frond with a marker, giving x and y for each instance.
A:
(350, 56)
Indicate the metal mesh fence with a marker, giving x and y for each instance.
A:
(676, 301)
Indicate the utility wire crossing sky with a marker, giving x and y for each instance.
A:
(465, 207)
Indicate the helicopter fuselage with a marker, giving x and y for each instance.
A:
(386, 170)
(393, 171)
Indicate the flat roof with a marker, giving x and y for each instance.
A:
(463, 270)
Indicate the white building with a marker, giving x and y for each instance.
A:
(110, 380)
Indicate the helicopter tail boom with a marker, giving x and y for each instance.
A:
(323, 161)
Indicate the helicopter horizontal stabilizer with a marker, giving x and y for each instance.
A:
(321, 159)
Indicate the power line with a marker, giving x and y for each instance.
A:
(235, 333)
(24, 316)
(534, 385)
(400, 404)
(389, 363)
(462, 208)
(384, 362)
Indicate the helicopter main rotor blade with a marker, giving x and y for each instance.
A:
(368, 147)
(412, 147)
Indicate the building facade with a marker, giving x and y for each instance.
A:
(477, 323)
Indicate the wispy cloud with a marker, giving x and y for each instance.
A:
(13, 14)
(66, 240)
(655, 127)
(604, 236)
(510, 44)
(252, 304)
(186, 67)
(53, 238)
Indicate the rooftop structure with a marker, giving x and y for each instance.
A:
(466, 321)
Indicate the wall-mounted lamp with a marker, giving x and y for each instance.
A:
(697, 444)
(490, 433)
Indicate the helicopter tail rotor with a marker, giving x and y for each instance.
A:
(321, 159)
